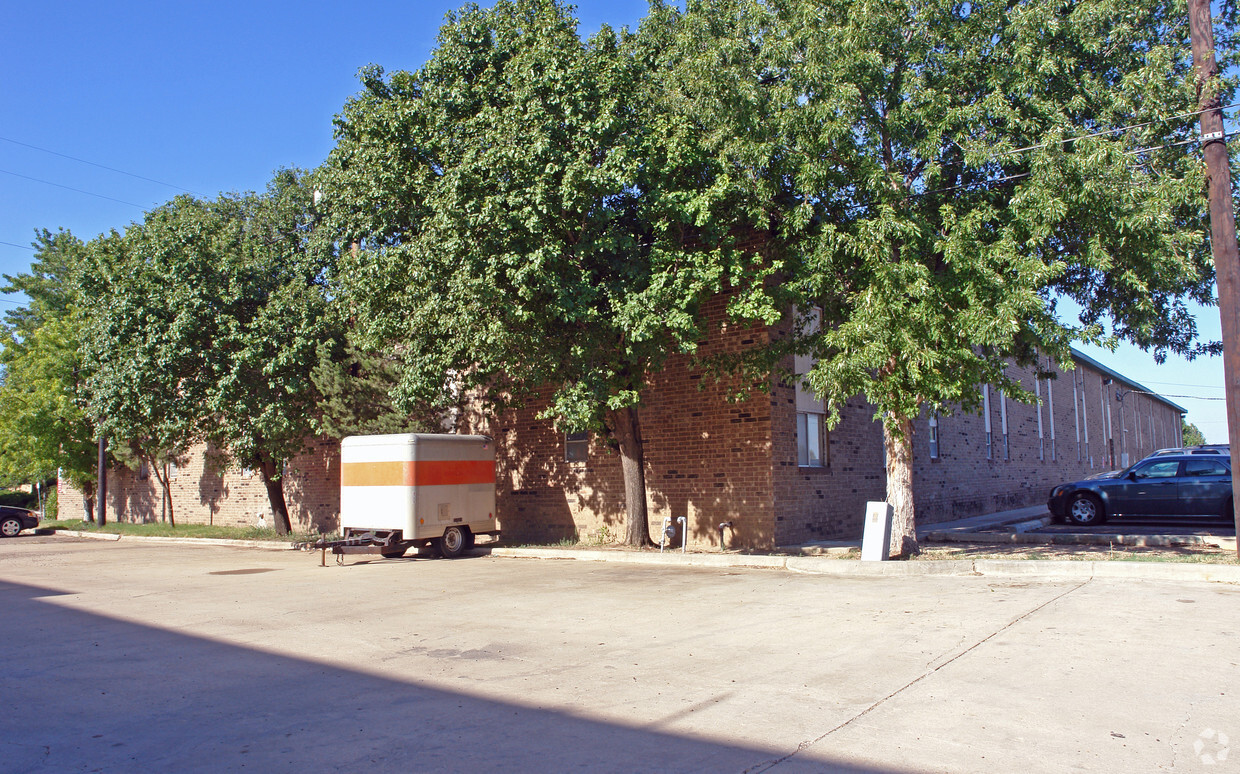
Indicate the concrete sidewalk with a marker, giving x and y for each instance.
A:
(140, 656)
(816, 558)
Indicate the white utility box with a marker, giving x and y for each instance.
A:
(876, 541)
(418, 489)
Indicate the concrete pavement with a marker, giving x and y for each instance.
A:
(129, 656)
(816, 559)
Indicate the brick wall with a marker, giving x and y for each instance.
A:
(710, 461)
(707, 460)
(829, 502)
(822, 503)
(202, 494)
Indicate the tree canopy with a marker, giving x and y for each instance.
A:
(44, 426)
(943, 173)
(207, 321)
(907, 192)
(524, 216)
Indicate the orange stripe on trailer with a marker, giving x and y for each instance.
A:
(419, 473)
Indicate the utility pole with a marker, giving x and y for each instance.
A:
(101, 491)
(1222, 217)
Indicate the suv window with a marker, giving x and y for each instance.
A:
(1205, 468)
(1165, 469)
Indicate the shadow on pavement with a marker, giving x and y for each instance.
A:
(83, 692)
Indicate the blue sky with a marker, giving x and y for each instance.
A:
(209, 97)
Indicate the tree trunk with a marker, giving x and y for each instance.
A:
(275, 495)
(88, 500)
(899, 446)
(165, 490)
(628, 434)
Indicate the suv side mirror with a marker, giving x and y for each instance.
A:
(1132, 475)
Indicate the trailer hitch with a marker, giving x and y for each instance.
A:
(369, 542)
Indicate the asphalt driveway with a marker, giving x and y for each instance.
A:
(139, 657)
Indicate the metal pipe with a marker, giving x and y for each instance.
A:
(722, 526)
(663, 532)
(684, 534)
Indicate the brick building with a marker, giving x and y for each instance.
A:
(768, 464)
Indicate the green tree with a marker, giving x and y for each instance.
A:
(524, 213)
(943, 173)
(262, 403)
(355, 388)
(208, 319)
(152, 296)
(44, 427)
(1190, 435)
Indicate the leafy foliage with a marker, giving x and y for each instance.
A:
(1191, 435)
(207, 322)
(524, 216)
(942, 173)
(43, 423)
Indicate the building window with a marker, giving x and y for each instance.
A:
(811, 440)
(1003, 425)
(171, 471)
(1037, 389)
(577, 446)
(990, 438)
(247, 472)
(934, 436)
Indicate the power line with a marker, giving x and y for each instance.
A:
(1121, 129)
(1163, 395)
(1181, 384)
(70, 188)
(96, 164)
(14, 244)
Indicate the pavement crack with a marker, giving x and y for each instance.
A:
(770, 764)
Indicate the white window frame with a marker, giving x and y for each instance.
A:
(812, 432)
(1037, 390)
(990, 449)
(1003, 425)
(933, 434)
(1050, 413)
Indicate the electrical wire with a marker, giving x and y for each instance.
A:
(14, 244)
(1181, 384)
(71, 188)
(1123, 128)
(96, 164)
(1164, 395)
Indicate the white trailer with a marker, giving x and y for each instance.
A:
(416, 490)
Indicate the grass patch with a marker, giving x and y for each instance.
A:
(161, 529)
(1184, 555)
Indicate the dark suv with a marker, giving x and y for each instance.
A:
(1165, 485)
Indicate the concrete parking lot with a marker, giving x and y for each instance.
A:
(127, 657)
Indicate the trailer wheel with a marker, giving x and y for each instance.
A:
(452, 544)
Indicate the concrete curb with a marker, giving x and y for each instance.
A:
(810, 565)
(821, 565)
(1075, 538)
(642, 557)
(268, 545)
